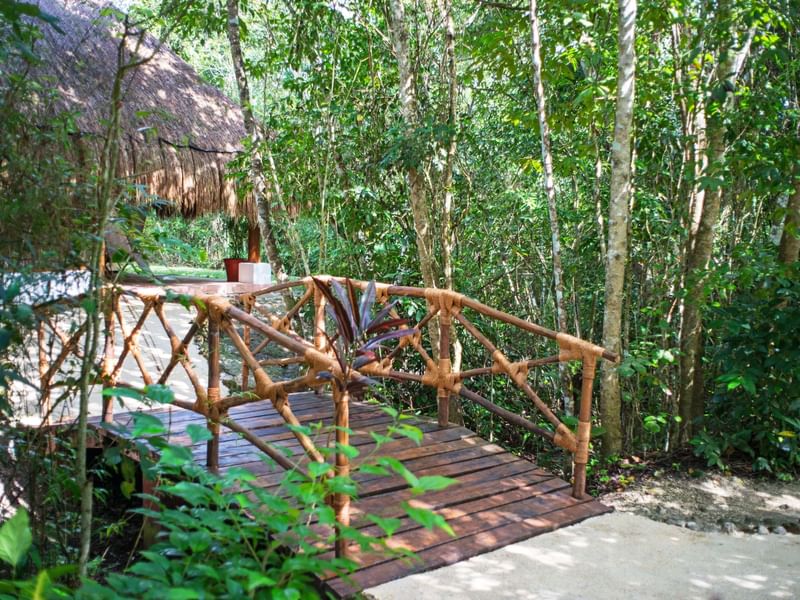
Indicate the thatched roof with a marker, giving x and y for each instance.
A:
(178, 132)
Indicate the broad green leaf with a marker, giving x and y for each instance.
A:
(432, 483)
(198, 433)
(121, 392)
(388, 525)
(159, 393)
(427, 518)
(145, 425)
(318, 469)
(15, 538)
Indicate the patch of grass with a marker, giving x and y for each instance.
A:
(182, 271)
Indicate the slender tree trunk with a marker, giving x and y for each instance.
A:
(789, 248)
(700, 247)
(619, 206)
(398, 32)
(262, 187)
(448, 241)
(126, 60)
(596, 195)
(550, 192)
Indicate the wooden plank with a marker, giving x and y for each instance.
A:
(457, 470)
(467, 547)
(446, 435)
(469, 487)
(544, 500)
(431, 455)
(239, 451)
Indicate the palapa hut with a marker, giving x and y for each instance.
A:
(178, 133)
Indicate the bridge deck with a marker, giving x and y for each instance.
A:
(499, 499)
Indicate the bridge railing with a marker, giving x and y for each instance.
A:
(291, 317)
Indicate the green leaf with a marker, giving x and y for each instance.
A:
(121, 392)
(409, 431)
(427, 518)
(389, 525)
(183, 593)
(145, 424)
(15, 538)
(432, 483)
(175, 456)
(318, 469)
(198, 433)
(159, 393)
(349, 451)
(256, 580)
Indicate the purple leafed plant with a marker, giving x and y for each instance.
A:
(359, 336)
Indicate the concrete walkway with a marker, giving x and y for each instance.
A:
(619, 555)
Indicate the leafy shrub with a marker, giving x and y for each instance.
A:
(754, 347)
(225, 536)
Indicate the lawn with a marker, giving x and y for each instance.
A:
(182, 271)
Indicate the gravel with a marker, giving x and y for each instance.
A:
(714, 502)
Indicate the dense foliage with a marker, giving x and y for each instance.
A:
(716, 120)
(327, 90)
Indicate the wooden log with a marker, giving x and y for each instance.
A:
(179, 351)
(505, 363)
(442, 392)
(129, 342)
(279, 403)
(320, 340)
(253, 243)
(584, 427)
(44, 376)
(279, 287)
(341, 501)
(179, 354)
(536, 362)
(108, 355)
(212, 450)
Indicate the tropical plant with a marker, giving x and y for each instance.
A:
(354, 324)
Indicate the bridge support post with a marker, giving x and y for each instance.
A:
(341, 501)
(212, 446)
(584, 426)
(443, 393)
(248, 307)
(318, 335)
(110, 303)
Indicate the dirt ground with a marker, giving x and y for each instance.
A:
(714, 502)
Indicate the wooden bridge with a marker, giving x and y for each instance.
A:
(498, 498)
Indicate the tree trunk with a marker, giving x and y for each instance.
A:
(789, 248)
(596, 195)
(619, 205)
(107, 194)
(700, 246)
(420, 210)
(550, 192)
(261, 188)
(448, 241)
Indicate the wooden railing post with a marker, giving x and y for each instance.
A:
(320, 342)
(44, 377)
(442, 392)
(341, 501)
(109, 306)
(248, 307)
(212, 446)
(584, 426)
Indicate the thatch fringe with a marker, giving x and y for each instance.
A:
(178, 132)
